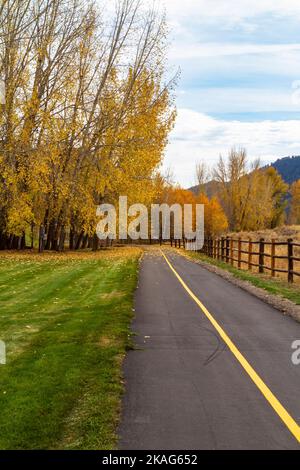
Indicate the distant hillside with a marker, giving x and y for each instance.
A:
(211, 188)
(287, 167)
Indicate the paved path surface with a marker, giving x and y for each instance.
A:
(184, 387)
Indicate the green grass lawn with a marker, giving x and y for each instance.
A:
(65, 320)
(272, 285)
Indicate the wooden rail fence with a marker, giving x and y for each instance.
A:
(238, 252)
(267, 256)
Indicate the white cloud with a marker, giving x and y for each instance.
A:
(204, 50)
(240, 100)
(230, 11)
(198, 136)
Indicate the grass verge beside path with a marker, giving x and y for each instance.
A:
(271, 285)
(65, 320)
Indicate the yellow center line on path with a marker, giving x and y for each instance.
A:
(269, 396)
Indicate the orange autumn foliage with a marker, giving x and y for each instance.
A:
(215, 221)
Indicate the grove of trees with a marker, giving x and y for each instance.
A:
(295, 203)
(252, 198)
(86, 114)
(238, 196)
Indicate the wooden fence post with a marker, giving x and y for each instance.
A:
(239, 252)
(290, 260)
(250, 255)
(222, 249)
(261, 255)
(231, 251)
(227, 249)
(273, 257)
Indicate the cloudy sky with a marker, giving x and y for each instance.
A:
(240, 80)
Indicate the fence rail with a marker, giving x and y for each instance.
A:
(241, 252)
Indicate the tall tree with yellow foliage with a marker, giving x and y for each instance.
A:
(295, 203)
(252, 197)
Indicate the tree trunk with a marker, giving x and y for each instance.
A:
(84, 242)
(79, 240)
(71, 239)
(95, 243)
(41, 238)
(49, 236)
(23, 241)
(32, 235)
(62, 237)
(4, 241)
